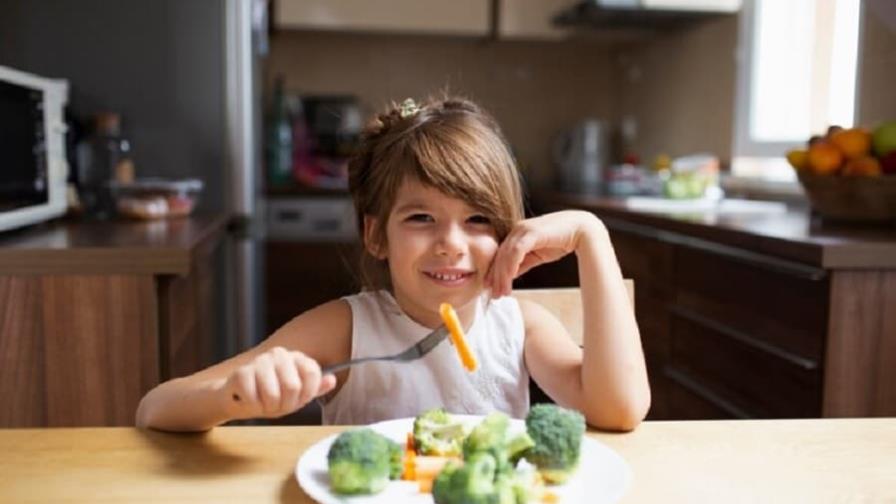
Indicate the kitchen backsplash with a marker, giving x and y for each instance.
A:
(679, 87)
(534, 89)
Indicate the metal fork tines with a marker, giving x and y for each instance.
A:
(415, 351)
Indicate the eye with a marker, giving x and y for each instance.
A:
(479, 219)
(419, 217)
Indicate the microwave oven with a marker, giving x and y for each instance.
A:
(33, 167)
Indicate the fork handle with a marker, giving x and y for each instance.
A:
(342, 365)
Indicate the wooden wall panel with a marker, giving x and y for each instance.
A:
(22, 356)
(100, 338)
(860, 376)
(76, 350)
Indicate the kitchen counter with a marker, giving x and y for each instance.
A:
(756, 314)
(96, 313)
(713, 461)
(792, 236)
(107, 247)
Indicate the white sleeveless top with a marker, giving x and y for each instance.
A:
(377, 391)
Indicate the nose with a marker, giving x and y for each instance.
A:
(452, 240)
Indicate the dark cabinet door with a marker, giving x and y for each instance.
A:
(302, 275)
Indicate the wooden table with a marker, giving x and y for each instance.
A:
(830, 460)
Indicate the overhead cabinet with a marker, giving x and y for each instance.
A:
(457, 17)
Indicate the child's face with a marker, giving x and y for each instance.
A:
(439, 250)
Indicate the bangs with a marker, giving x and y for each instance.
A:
(467, 166)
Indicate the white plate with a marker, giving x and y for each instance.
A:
(602, 474)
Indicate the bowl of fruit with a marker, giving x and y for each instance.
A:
(850, 174)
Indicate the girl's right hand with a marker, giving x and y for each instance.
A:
(274, 384)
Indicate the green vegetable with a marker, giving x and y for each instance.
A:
(492, 436)
(557, 433)
(361, 461)
(437, 433)
(474, 482)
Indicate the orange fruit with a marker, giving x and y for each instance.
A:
(853, 142)
(798, 158)
(865, 166)
(824, 158)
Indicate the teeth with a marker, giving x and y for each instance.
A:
(449, 277)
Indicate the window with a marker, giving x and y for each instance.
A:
(796, 76)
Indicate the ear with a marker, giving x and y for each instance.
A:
(372, 245)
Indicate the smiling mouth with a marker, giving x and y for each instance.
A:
(448, 277)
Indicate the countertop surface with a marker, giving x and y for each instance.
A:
(71, 246)
(791, 235)
(818, 461)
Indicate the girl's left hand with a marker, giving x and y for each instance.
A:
(536, 241)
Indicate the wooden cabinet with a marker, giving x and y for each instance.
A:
(300, 275)
(93, 315)
(737, 325)
(458, 17)
(531, 19)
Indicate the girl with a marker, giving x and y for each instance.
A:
(439, 208)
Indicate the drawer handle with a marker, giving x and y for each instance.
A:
(744, 338)
(691, 385)
(763, 261)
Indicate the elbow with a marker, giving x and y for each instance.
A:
(142, 418)
(623, 417)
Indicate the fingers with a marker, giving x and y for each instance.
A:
(507, 261)
(276, 383)
(310, 375)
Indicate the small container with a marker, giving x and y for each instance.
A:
(153, 198)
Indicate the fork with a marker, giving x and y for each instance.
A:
(414, 352)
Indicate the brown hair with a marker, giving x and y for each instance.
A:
(448, 143)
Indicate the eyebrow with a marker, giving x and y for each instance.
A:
(412, 205)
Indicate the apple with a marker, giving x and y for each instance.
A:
(884, 139)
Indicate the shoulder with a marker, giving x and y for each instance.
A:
(323, 332)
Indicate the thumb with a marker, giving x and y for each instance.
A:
(327, 383)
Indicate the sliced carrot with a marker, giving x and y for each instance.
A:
(550, 498)
(409, 466)
(456, 333)
(409, 443)
(425, 485)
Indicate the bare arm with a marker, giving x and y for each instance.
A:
(607, 380)
(276, 377)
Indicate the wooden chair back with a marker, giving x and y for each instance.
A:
(565, 304)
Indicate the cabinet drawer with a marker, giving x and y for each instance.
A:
(688, 400)
(764, 302)
(647, 261)
(741, 377)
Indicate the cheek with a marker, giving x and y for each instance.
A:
(486, 247)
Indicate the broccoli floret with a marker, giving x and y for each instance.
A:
(437, 433)
(470, 483)
(396, 458)
(488, 476)
(489, 436)
(361, 461)
(492, 436)
(557, 433)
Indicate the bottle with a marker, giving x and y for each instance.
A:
(279, 139)
(102, 154)
(124, 167)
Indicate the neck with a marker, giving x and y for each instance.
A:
(430, 317)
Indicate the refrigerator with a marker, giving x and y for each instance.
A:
(185, 76)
